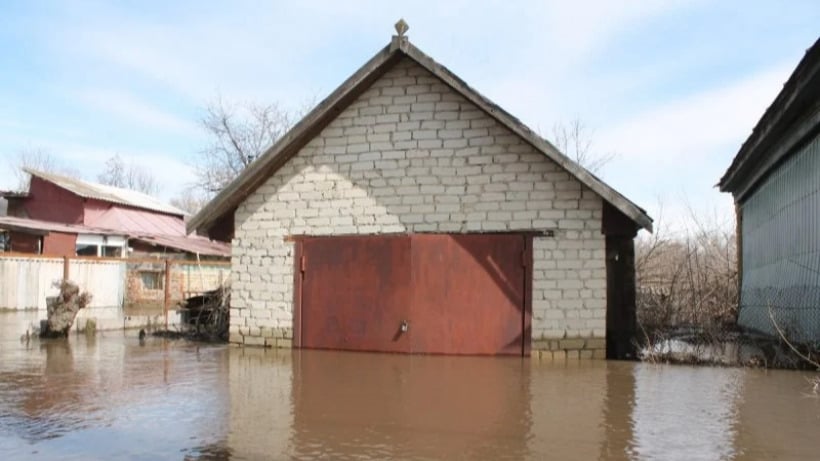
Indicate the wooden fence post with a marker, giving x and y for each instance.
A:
(167, 302)
(66, 267)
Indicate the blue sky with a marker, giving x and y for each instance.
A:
(671, 87)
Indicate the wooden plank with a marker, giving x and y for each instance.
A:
(298, 281)
(167, 301)
(621, 315)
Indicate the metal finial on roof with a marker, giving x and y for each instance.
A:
(401, 27)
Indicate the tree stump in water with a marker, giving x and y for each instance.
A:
(63, 309)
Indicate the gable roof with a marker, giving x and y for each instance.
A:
(39, 227)
(105, 193)
(289, 145)
(791, 118)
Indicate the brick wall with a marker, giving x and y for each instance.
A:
(145, 281)
(411, 155)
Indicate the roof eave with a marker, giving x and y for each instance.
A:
(516, 126)
(257, 171)
(775, 120)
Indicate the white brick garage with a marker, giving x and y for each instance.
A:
(404, 147)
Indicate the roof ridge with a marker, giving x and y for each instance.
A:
(111, 194)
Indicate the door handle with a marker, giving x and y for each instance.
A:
(404, 326)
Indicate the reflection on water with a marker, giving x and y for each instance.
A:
(114, 397)
(697, 424)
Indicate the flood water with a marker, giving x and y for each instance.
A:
(114, 397)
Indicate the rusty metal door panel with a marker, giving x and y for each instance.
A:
(468, 294)
(355, 293)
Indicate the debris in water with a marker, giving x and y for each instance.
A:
(63, 309)
(204, 317)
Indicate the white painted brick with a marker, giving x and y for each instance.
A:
(447, 115)
(432, 125)
(455, 143)
(449, 134)
(430, 143)
(493, 226)
(411, 155)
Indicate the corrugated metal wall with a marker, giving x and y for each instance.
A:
(781, 249)
(26, 282)
(105, 280)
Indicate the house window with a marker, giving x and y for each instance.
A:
(112, 252)
(100, 245)
(152, 280)
(86, 250)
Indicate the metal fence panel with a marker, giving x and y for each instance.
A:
(781, 249)
(25, 282)
(104, 279)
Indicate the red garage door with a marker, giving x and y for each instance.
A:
(435, 294)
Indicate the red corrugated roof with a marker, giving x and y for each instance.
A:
(138, 222)
(25, 224)
(188, 243)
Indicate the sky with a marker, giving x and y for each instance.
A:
(671, 88)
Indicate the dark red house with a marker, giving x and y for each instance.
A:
(64, 216)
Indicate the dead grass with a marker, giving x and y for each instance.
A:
(687, 290)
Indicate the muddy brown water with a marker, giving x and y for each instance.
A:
(114, 397)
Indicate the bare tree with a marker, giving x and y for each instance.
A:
(574, 139)
(118, 173)
(39, 159)
(189, 200)
(239, 134)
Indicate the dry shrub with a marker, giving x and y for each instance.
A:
(687, 280)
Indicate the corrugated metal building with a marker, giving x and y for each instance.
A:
(775, 181)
